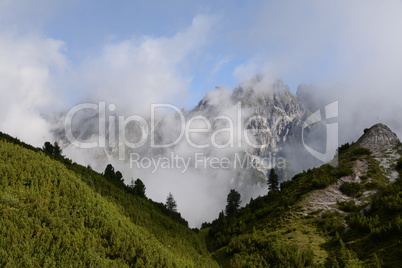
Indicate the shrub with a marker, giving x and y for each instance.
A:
(347, 206)
(372, 185)
(391, 203)
(364, 224)
(343, 148)
(321, 182)
(364, 177)
(343, 171)
(399, 165)
(261, 249)
(350, 188)
(331, 223)
(362, 151)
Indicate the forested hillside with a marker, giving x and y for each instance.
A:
(349, 215)
(57, 213)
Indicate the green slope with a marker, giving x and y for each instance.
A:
(57, 213)
(276, 231)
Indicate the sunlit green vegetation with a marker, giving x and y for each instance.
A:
(55, 213)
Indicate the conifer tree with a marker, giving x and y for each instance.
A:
(109, 172)
(273, 181)
(171, 203)
(52, 149)
(139, 188)
(119, 176)
(112, 174)
(56, 150)
(233, 203)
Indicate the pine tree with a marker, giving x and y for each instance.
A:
(53, 150)
(273, 181)
(171, 203)
(119, 176)
(233, 203)
(48, 148)
(109, 172)
(139, 188)
(112, 174)
(56, 150)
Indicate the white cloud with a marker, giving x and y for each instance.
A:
(26, 68)
(136, 72)
(355, 43)
(326, 41)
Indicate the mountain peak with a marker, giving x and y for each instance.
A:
(377, 136)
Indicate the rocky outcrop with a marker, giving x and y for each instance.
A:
(378, 137)
(384, 146)
(382, 142)
(327, 198)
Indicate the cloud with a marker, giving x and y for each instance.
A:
(326, 41)
(137, 72)
(27, 69)
(349, 50)
(218, 66)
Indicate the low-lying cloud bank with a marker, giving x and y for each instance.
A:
(350, 51)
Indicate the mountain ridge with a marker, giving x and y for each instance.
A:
(344, 216)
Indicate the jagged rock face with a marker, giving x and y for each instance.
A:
(276, 115)
(281, 114)
(378, 136)
(272, 115)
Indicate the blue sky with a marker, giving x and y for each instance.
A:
(88, 25)
(252, 36)
(85, 27)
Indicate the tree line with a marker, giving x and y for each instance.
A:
(136, 187)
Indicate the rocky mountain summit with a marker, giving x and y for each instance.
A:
(383, 143)
(270, 112)
(378, 137)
